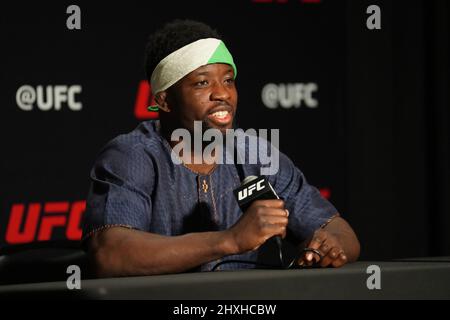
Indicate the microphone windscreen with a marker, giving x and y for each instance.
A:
(248, 179)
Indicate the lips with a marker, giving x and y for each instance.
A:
(221, 116)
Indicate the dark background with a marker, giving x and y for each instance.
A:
(378, 139)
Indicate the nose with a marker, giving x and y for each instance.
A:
(219, 92)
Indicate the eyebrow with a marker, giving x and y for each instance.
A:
(201, 73)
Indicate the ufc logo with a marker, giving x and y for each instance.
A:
(289, 95)
(249, 190)
(47, 98)
(144, 98)
(35, 224)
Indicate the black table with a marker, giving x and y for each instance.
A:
(399, 280)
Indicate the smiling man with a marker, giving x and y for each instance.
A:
(148, 215)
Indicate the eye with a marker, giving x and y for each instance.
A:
(201, 83)
(229, 80)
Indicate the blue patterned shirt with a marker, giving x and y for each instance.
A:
(135, 184)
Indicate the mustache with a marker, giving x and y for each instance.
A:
(221, 106)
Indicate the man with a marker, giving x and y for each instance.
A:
(148, 215)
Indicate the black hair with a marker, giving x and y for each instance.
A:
(171, 37)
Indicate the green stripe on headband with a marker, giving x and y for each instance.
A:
(222, 55)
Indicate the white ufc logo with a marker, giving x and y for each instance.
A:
(49, 97)
(249, 190)
(289, 95)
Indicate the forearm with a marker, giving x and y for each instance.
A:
(123, 252)
(346, 236)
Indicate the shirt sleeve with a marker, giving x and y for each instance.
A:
(122, 179)
(308, 209)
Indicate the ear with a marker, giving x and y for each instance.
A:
(161, 100)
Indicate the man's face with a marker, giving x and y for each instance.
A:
(207, 94)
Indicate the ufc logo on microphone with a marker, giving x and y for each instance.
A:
(247, 192)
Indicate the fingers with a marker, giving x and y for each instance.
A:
(278, 230)
(326, 250)
(275, 227)
(328, 259)
(279, 219)
(269, 207)
(276, 203)
(272, 222)
(340, 260)
(335, 257)
(331, 252)
(261, 221)
(316, 243)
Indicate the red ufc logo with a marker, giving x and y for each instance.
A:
(326, 193)
(37, 225)
(144, 98)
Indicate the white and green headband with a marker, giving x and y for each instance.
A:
(183, 61)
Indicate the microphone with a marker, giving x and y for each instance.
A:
(255, 188)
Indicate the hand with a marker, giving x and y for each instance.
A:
(332, 252)
(261, 221)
